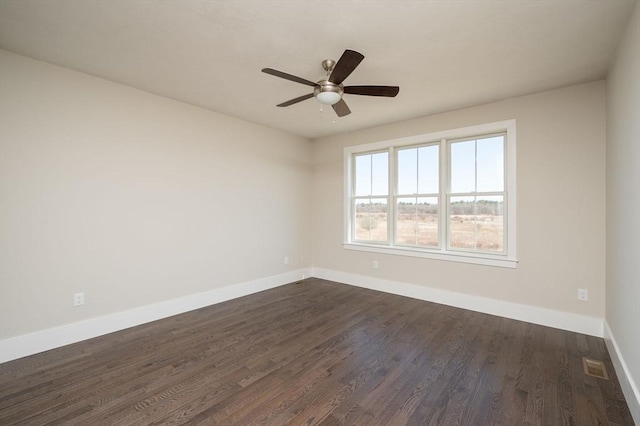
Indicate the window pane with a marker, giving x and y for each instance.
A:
(417, 221)
(463, 167)
(406, 221)
(407, 171)
(362, 220)
(462, 222)
(380, 174)
(490, 223)
(363, 175)
(371, 220)
(428, 171)
(427, 221)
(378, 224)
(477, 223)
(490, 164)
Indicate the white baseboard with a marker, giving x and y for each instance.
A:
(629, 387)
(547, 317)
(40, 341)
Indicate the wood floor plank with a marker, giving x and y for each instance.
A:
(318, 352)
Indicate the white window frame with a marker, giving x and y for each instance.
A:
(507, 259)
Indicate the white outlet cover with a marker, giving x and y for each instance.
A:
(78, 299)
(583, 294)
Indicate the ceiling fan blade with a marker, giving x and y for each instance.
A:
(296, 100)
(388, 91)
(345, 66)
(288, 76)
(341, 108)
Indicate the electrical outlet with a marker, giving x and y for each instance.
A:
(78, 299)
(286, 260)
(376, 265)
(583, 294)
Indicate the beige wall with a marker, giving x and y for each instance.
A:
(134, 198)
(560, 204)
(623, 202)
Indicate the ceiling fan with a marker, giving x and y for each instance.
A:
(329, 90)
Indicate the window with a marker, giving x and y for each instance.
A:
(371, 197)
(476, 198)
(447, 195)
(416, 199)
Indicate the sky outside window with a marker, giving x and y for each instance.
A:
(477, 165)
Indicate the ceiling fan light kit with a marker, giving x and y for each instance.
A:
(330, 90)
(327, 93)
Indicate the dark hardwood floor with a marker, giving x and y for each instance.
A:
(318, 352)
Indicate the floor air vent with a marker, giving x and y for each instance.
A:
(595, 368)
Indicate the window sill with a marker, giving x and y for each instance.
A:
(478, 259)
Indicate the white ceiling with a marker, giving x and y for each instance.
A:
(443, 54)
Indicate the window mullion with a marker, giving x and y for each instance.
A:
(391, 197)
(352, 194)
(415, 212)
(475, 197)
(370, 193)
(443, 199)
